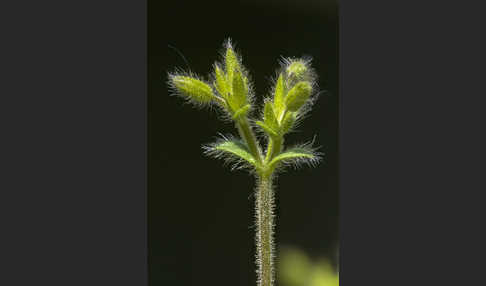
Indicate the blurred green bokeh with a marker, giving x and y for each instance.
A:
(295, 268)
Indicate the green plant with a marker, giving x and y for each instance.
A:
(230, 90)
(298, 269)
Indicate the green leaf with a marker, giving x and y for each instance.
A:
(241, 112)
(267, 129)
(287, 122)
(279, 96)
(232, 150)
(269, 116)
(296, 155)
(240, 92)
(220, 82)
(298, 96)
(231, 62)
(192, 88)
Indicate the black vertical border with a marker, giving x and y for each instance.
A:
(73, 175)
(412, 86)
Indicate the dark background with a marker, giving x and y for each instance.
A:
(200, 214)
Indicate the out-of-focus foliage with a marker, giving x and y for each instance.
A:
(295, 268)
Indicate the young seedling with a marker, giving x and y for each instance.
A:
(231, 91)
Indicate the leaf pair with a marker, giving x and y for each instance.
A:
(235, 151)
(272, 125)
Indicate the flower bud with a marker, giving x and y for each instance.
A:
(298, 95)
(297, 69)
(192, 88)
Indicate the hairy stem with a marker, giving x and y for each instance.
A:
(264, 237)
(247, 134)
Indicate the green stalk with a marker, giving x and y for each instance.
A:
(275, 144)
(264, 203)
(247, 134)
(264, 236)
